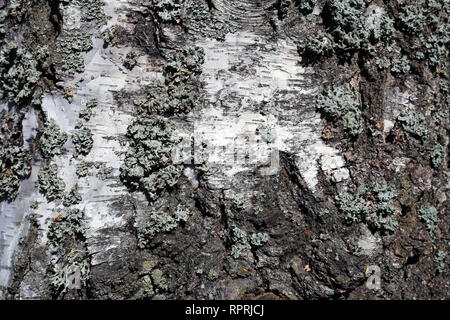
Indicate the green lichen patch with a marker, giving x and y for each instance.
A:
(49, 183)
(71, 44)
(427, 24)
(168, 10)
(82, 169)
(67, 237)
(160, 222)
(82, 140)
(259, 239)
(70, 48)
(437, 155)
(103, 171)
(15, 165)
(400, 65)
(305, 6)
(158, 279)
(441, 260)
(377, 211)
(146, 166)
(69, 224)
(52, 139)
(72, 197)
(86, 113)
(77, 268)
(345, 20)
(314, 47)
(414, 124)
(429, 215)
(240, 242)
(131, 60)
(20, 70)
(178, 94)
(339, 103)
(197, 16)
(184, 63)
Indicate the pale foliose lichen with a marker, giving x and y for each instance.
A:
(437, 155)
(441, 260)
(82, 140)
(86, 113)
(238, 202)
(146, 166)
(414, 124)
(240, 242)
(400, 65)
(412, 18)
(82, 169)
(159, 280)
(70, 49)
(15, 165)
(347, 23)
(52, 139)
(306, 6)
(427, 23)
(131, 60)
(72, 197)
(178, 94)
(70, 223)
(197, 15)
(429, 215)
(49, 183)
(259, 239)
(378, 213)
(168, 10)
(20, 71)
(77, 268)
(339, 103)
(103, 171)
(162, 222)
(73, 43)
(313, 47)
(71, 261)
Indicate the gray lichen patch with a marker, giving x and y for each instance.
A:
(198, 16)
(376, 208)
(71, 261)
(70, 48)
(131, 60)
(87, 112)
(72, 197)
(20, 71)
(85, 17)
(437, 155)
(15, 165)
(146, 166)
(52, 139)
(314, 47)
(414, 124)
(82, 140)
(429, 215)
(162, 222)
(179, 93)
(339, 103)
(168, 10)
(50, 185)
(82, 169)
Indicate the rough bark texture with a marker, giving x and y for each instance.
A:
(322, 125)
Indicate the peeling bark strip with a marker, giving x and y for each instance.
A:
(224, 149)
